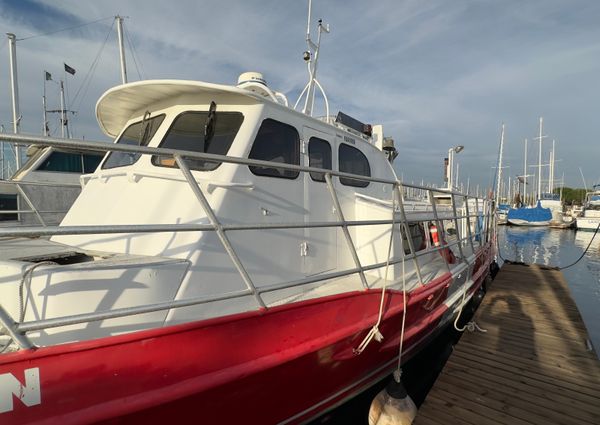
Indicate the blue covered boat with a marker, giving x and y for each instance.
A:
(530, 216)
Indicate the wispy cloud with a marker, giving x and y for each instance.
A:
(435, 73)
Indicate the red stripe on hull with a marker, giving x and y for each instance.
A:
(257, 367)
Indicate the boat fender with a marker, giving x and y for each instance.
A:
(392, 406)
(446, 253)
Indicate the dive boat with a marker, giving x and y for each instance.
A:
(231, 260)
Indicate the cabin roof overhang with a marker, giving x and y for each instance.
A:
(119, 104)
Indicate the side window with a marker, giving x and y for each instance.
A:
(135, 134)
(276, 142)
(62, 161)
(417, 235)
(319, 156)
(188, 132)
(353, 161)
(71, 162)
(90, 162)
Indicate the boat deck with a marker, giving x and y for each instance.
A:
(534, 365)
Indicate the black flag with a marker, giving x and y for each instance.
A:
(69, 69)
(48, 75)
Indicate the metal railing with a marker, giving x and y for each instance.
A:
(17, 331)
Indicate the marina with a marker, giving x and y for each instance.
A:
(533, 363)
(232, 245)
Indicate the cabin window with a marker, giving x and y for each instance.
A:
(417, 235)
(138, 134)
(8, 203)
(353, 161)
(188, 133)
(276, 142)
(69, 162)
(319, 156)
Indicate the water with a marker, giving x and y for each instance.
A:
(550, 247)
(560, 248)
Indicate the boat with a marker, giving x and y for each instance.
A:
(231, 260)
(548, 207)
(590, 218)
(47, 185)
(502, 214)
(529, 216)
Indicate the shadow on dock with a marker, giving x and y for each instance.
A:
(532, 366)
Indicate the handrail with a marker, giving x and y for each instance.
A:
(97, 146)
(397, 189)
(349, 242)
(218, 227)
(17, 330)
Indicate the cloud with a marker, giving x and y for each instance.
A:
(435, 73)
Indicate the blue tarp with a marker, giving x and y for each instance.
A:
(531, 215)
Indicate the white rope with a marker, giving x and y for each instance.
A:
(374, 333)
(26, 283)
(470, 326)
(398, 371)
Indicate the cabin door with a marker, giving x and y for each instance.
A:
(320, 244)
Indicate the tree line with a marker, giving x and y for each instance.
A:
(571, 195)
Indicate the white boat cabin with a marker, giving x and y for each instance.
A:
(85, 273)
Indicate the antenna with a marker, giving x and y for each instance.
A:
(583, 178)
(311, 57)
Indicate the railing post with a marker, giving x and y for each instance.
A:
(340, 214)
(458, 232)
(9, 324)
(469, 231)
(218, 228)
(397, 187)
(441, 230)
(477, 226)
(33, 208)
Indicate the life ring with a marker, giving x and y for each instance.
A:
(438, 241)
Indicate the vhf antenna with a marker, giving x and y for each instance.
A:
(311, 57)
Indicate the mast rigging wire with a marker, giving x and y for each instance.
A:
(65, 29)
(134, 55)
(90, 73)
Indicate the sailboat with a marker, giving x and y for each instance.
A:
(232, 260)
(538, 215)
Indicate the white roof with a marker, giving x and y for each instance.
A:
(119, 104)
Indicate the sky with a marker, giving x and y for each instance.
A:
(435, 73)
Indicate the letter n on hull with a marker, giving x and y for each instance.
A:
(29, 393)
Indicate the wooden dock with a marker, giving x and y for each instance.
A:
(532, 366)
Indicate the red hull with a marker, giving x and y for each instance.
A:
(288, 363)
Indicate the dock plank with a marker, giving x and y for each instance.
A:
(532, 366)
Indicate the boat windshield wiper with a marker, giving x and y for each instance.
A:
(209, 125)
(145, 129)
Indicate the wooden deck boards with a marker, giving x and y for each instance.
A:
(532, 366)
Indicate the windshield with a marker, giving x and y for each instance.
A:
(205, 132)
(138, 134)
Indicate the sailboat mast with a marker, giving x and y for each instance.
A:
(45, 117)
(14, 85)
(539, 193)
(119, 20)
(551, 184)
(63, 112)
(500, 165)
(525, 175)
